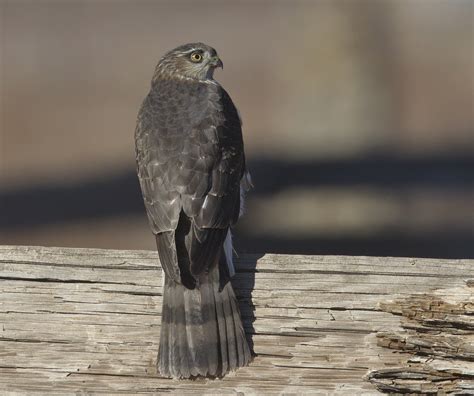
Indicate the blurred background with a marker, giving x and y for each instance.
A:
(358, 120)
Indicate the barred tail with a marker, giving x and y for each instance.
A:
(201, 330)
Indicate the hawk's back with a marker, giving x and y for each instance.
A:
(185, 129)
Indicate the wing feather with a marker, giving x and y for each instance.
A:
(190, 160)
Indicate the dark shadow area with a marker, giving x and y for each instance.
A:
(444, 244)
(109, 196)
(453, 172)
(93, 199)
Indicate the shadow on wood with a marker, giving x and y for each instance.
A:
(244, 292)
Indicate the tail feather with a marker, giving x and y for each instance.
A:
(229, 329)
(243, 352)
(194, 333)
(201, 331)
(221, 327)
(210, 328)
(173, 341)
(184, 359)
(165, 327)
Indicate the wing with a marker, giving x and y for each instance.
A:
(221, 204)
(189, 153)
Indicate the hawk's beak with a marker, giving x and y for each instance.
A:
(216, 62)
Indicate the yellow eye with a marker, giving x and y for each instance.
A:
(196, 57)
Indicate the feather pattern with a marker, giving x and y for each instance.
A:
(191, 168)
(201, 330)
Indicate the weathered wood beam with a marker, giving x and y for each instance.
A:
(88, 320)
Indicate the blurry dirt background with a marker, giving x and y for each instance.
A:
(358, 120)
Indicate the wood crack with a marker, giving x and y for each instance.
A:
(88, 321)
(438, 335)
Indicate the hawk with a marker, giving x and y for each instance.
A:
(191, 167)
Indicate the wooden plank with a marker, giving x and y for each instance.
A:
(88, 320)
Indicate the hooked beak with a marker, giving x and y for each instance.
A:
(216, 62)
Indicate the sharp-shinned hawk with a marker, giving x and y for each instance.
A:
(191, 167)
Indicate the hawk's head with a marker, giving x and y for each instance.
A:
(195, 60)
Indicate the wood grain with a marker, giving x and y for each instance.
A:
(88, 321)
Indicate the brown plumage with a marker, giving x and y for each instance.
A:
(190, 161)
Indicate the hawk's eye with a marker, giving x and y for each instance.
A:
(196, 57)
